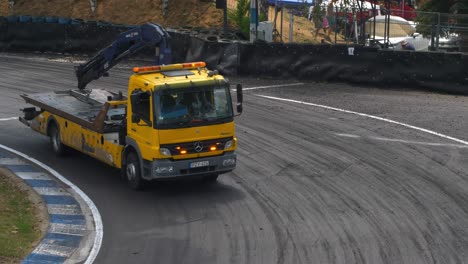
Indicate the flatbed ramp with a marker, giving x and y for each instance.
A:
(88, 108)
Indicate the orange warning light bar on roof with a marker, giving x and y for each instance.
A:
(170, 67)
(193, 65)
(146, 69)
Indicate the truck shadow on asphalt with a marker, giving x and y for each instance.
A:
(96, 173)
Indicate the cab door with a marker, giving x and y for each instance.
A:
(140, 123)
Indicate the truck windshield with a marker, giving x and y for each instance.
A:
(193, 106)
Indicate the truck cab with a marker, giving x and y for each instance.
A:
(180, 122)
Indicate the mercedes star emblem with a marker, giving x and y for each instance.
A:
(198, 146)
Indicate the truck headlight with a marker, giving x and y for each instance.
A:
(165, 151)
(164, 169)
(228, 145)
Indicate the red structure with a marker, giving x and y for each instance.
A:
(403, 8)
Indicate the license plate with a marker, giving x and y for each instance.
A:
(199, 164)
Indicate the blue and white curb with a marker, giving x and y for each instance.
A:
(75, 228)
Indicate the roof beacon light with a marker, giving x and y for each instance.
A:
(146, 69)
(194, 65)
(170, 67)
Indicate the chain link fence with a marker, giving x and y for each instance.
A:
(447, 32)
(367, 24)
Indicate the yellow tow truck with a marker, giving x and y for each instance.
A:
(176, 120)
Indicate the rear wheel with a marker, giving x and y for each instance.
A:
(133, 172)
(55, 142)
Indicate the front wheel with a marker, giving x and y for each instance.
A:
(55, 142)
(133, 172)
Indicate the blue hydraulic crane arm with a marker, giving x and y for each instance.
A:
(126, 44)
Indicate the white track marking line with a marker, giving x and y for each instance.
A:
(32, 175)
(419, 142)
(411, 142)
(271, 86)
(51, 191)
(8, 118)
(96, 215)
(368, 116)
(347, 135)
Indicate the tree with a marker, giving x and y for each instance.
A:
(460, 7)
(240, 16)
(455, 7)
(436, 6)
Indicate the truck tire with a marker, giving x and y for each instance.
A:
(133, 172)
(55, 142)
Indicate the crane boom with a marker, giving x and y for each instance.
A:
(127, 43)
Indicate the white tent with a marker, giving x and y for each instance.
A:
(399, 27)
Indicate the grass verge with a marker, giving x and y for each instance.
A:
(19, 229)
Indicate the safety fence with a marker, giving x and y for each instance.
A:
(350, 63)
(447, 32)
(368, 24)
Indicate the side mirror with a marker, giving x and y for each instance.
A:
(240, 98)
(136, 118)
(138, 97)
(239, 108)
(135, 98)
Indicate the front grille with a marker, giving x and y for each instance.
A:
(197, 146)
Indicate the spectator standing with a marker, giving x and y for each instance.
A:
(311, 10)
(405, 45)
(318, 17)
(331, 19)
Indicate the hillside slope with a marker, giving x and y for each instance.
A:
(195, 13)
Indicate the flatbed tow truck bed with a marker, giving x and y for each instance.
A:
(88, 108)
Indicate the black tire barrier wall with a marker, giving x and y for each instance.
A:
(53, 37)
(220, 56)
(446, 72)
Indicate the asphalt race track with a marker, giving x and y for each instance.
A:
(312, 185)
